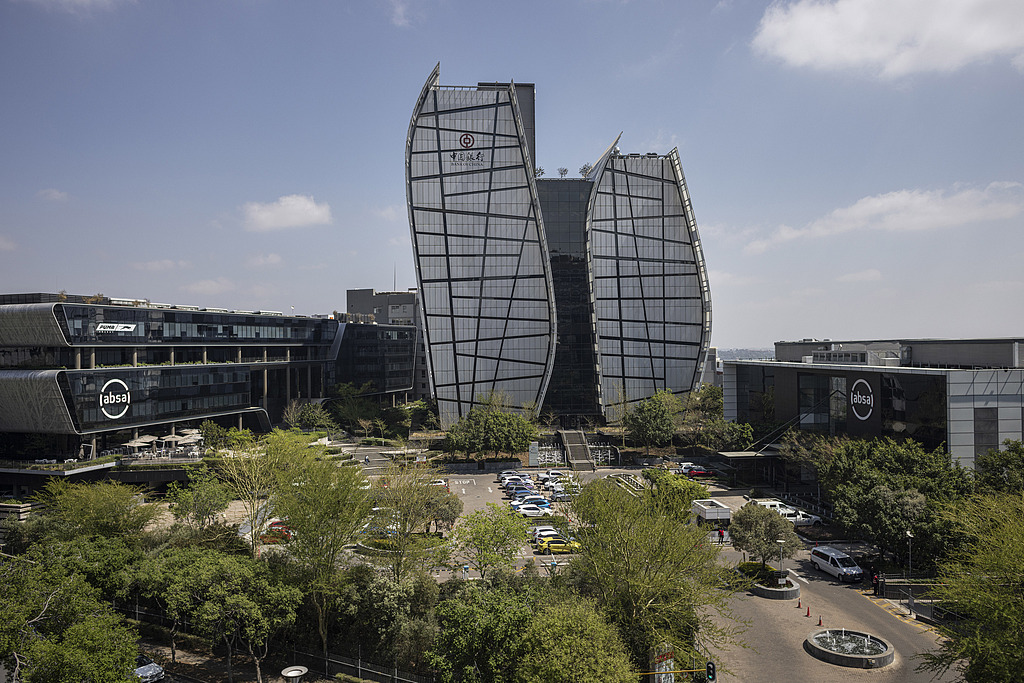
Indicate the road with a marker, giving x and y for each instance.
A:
(777, 628)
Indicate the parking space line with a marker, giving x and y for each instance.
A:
(798, 576)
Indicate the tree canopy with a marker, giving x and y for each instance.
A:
(489, 429)
(652, 422)
(980, 584)
(490, 537)
(757, 530)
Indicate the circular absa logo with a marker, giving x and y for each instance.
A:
(862, 399)
(115, 399)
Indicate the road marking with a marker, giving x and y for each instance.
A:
(490, 490)
(798, 576)
(463, 482)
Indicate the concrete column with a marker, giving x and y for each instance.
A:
(204, 355)
(92, 358)
(172, 355)
(266, 375)
(78, 359)
(239, 356)
(135, 358)
(288, 384)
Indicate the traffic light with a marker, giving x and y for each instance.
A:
(711, 672)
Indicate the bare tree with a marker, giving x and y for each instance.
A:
(562, 171)
(585, 170)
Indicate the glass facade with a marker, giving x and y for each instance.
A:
(481, 262)
(155, 395)
(574, 387)
(610, 265)
(651, 297)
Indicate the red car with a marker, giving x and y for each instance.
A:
(694, 472)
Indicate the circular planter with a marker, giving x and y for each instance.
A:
(840, 658)
(771, 593)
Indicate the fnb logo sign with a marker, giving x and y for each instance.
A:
(862, 399)
(115, 399)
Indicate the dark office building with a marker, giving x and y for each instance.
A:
(90, 372)
(964, 395)
(381, 356)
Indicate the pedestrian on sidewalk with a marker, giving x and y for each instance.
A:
(721, 536)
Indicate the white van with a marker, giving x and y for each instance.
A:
(837, 563)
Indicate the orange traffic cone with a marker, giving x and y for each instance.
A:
(819, 620)
(798, 604)
(809, 614)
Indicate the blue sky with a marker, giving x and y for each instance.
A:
(856, 166)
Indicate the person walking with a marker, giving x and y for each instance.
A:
(721, 536)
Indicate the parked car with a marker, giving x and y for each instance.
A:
(532, 498)
(799, 517)
(551, 474)
(540, 502)
(276, 534)
(557, 544)
(539, 532)
(698, 471)
(531, 511)
(561, 497)
(837, 563)
(441, 482)
(147, 670)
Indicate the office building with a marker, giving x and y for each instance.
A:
(573, 296)
(964, 395)
(80, 374)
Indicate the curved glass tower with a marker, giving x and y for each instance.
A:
(571, 296)
(481, 260)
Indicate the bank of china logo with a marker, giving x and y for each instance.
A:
(115, 399)
(467, 140)
(862, 399)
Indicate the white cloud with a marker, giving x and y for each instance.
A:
(52, 195)
(869, 275)
(161, 265)
(400, 13)
(892, 38)
(908, 211)
(6, 244)
(290, 211)
(210, 287)
(259, 260)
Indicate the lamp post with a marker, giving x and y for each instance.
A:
(910, 555)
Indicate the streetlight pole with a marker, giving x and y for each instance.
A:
(910, 555)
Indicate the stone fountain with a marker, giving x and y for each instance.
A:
(846, 647)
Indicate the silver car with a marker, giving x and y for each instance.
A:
(147, 670)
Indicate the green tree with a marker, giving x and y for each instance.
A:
(650, 422)
(214, 436)
(198, 504)
(756, 530)
(316, 416)
(655, 576)
(411, 501)
(444, 511)
(325, 505)
(54, 628)
(104, 508)
(674, 494)
(490, 429)
(1001, 470)
(227, 598)
(491, 537)
(981, 585)
(568, 641)
(253, 475)
(480, 634)
(882, 488)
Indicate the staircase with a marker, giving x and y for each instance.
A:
(577, 452)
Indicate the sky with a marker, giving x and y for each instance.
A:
(856, 166)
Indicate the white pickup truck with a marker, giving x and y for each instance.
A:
(798, 517)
